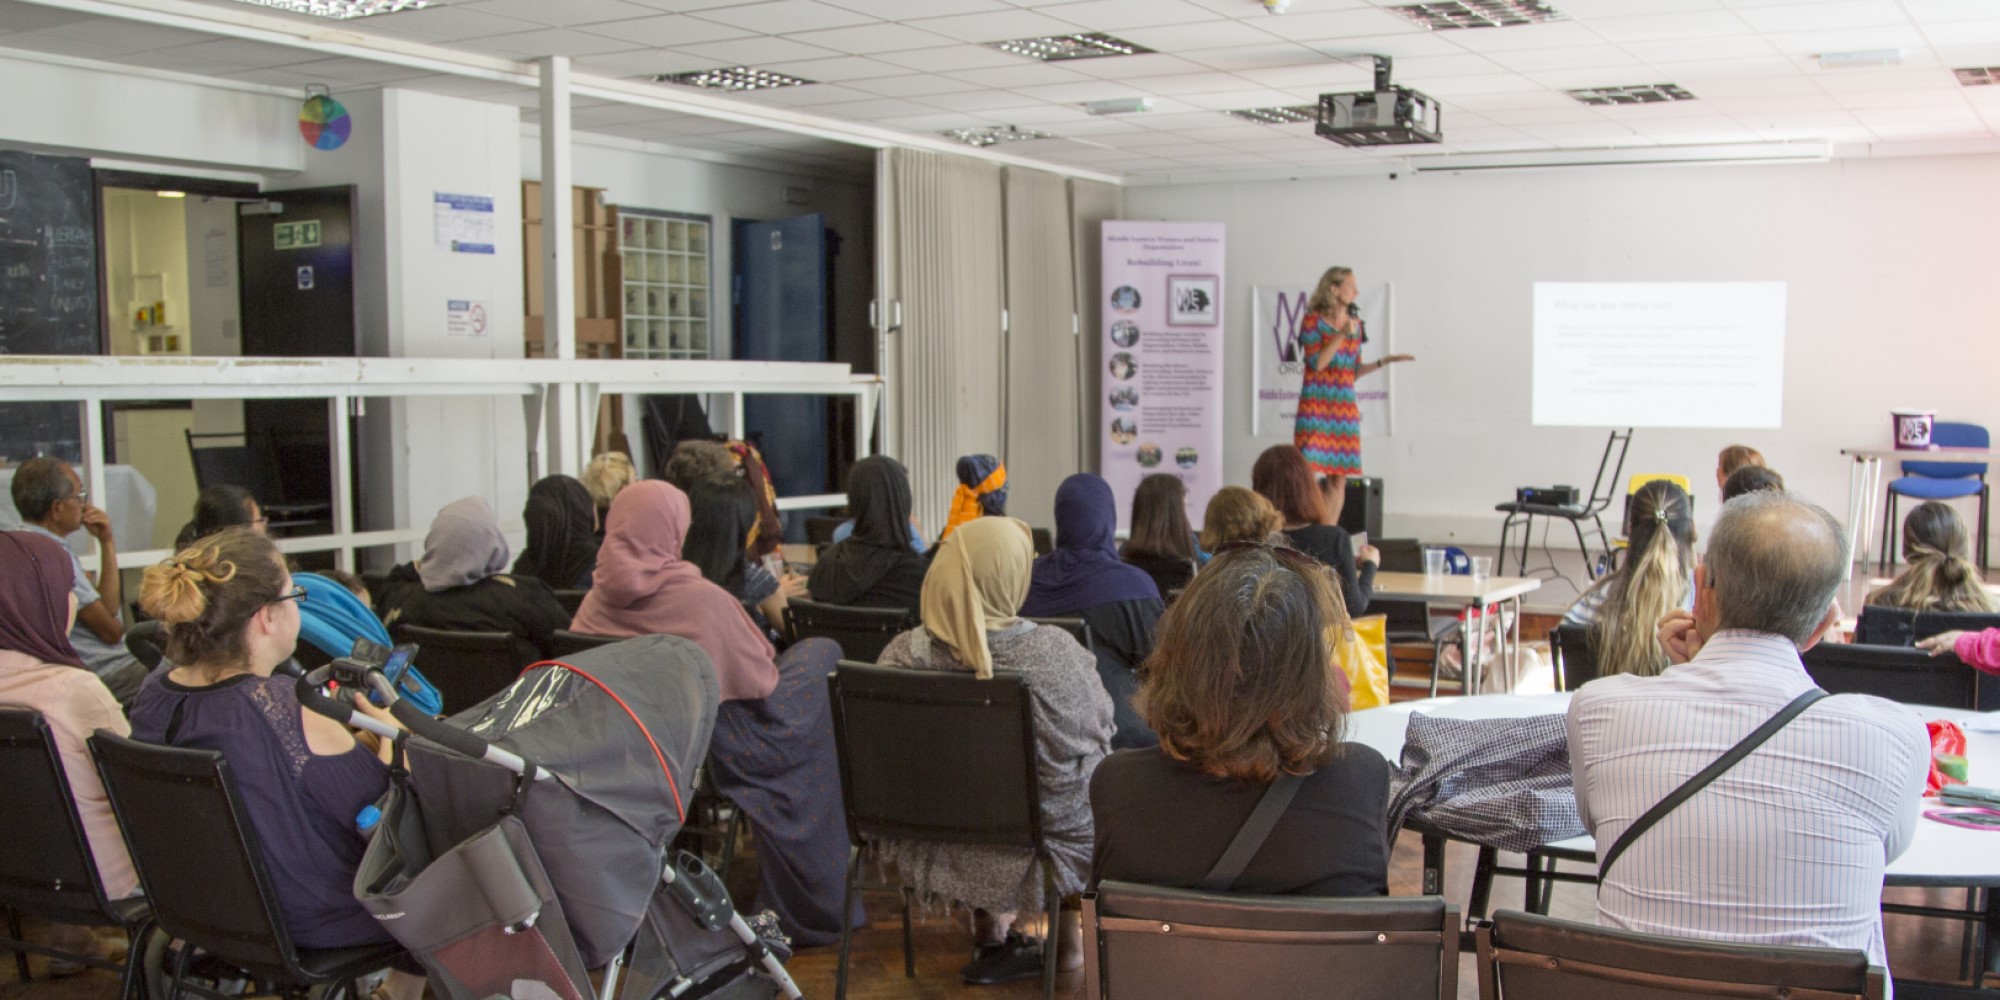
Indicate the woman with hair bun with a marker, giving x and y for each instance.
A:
(1940, 575)
(232, 615)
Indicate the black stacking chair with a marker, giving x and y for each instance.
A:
(566, 643)
(204, 872)
(1168, 944)
(1045, 540)
(1910, 676)
(1074, 626)
(46, 867)
(1575, 663)
(147, 642)
(1527, 957)
(253, 464)
(570, 600)
(1885, 626)
(942, 757)
(862, 633)
(467, 667)
(820, 528)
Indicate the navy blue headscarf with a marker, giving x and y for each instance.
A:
(1084, 571)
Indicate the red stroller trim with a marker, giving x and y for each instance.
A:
(661, 756)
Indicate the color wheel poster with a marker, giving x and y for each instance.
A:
(1161, 395)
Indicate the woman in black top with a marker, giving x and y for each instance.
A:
(876, 567)
(722, 513)
(1243, 687)
(1283, 477)
(1161, 542)
(459, 586)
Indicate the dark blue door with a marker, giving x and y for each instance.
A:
(781, 315)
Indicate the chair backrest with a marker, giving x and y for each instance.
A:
(1143, 941)
(196, 851)
(1575, 662)
(566, 643)
(1400, 555)
(820, 528)
(46, 868)
(570, 600)
(1885, 626)
(1952, 435)
(1045, 540)
(1527, 957)
(1910, 676)
(1074, 626)
(247, 464)
(467, 667)
(934, 756)
(861, 633)
(147, 642)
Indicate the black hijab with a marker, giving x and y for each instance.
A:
(878, 492)
(562, 543)
(722, 514)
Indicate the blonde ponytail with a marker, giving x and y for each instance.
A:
(1652, 582)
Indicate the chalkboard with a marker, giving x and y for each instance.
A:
(48, 287)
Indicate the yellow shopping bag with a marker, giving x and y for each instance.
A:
(1364, 658)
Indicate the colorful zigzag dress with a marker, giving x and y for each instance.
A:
(1328, 430)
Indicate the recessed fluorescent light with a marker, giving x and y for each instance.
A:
(1287, 115)
(1480, 13)
(171, 194)
(1866, 57)
(732, 78)
(1977, 76)
(1638, 93)
(992, 135)
(1120, 106)
(1055, 48)
(341, 10)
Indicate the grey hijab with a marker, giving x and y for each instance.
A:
(464, 546)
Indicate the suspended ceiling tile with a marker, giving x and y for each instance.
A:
(1027, 73)
(218, 56)
(1134, 67)
(904, 10)
(804, 97)
(444, 24)
(33, 17)
(1322, 78)
(1944, 11)
(547, 42)
(1399, 47)
(996, 26)
(975, 100)
(1550, 35)
(1306, 27)
(917, 85)
(869, 39)
(838, 69)
(1123, 15)
(1233, 99)
(1602, 57)
(936, 121)
(756, 51)
(1670, 27)
(1825, 14)
(50, 43)
(786, 16)
(1080, 91)
(666, 31)
(1848, 39)
(111, 34)
(1185, 38)
(566, 14)
(872, 109)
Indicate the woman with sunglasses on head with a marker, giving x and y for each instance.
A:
(232, 615)
(1244, 691)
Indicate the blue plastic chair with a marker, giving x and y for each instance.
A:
(1940, 481)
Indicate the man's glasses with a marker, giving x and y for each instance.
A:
(80, 496)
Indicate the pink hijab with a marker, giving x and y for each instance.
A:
(642, 586)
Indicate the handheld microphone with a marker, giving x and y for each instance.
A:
(1361, 329)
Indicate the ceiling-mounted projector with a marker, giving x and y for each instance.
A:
(1386, 116)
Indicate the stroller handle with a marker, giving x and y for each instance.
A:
(437, 731)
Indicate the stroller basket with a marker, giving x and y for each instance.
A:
(527, 839)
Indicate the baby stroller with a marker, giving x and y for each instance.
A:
(526, 839)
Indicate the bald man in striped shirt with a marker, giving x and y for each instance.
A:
(1787, 847)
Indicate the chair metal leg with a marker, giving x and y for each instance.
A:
(1583, 549)
(846, 926)
(1482, 884)
(909, 940)
(20, 957)
(180, 971)
(135, 961)
(1985, 491)
(730, 835)
(1051, 943)
(1888, 540)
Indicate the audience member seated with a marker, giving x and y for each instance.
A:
(1749, 479)
(1939, 575)
(604, 477)
(1161, 543)
(878, 566)
(1732, 458)
(982, 492)
(1283, 477)
(1788, 846)
(1243, 690)
(723, 516)
(970, 624)
(562, 534)
(1084, 578)
(772, 752)
(40, 670)
(1238, 514)
(459, 585)
(1979, 649)
(232, 615)
(1623, 609)
(52, 502)
(698, 461)
(219, 507)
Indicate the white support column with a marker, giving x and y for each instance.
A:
(337, 410)
(559, 265)
(93, 460)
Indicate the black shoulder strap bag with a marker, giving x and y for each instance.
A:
(1708, 774)
(1255, 831)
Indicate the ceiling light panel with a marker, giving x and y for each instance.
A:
(1479, 13)
(993, 135)
(1638, 93)
(1057, 48)
(1977, 76)
(736, 78)
(340, 10)
(1289, 115)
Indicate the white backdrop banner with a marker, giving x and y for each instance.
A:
(1277, 369)
(1161, 387)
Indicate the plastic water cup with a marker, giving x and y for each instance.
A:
(1482, 567)
(1434, 562)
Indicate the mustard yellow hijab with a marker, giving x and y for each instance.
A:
(976, 585)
